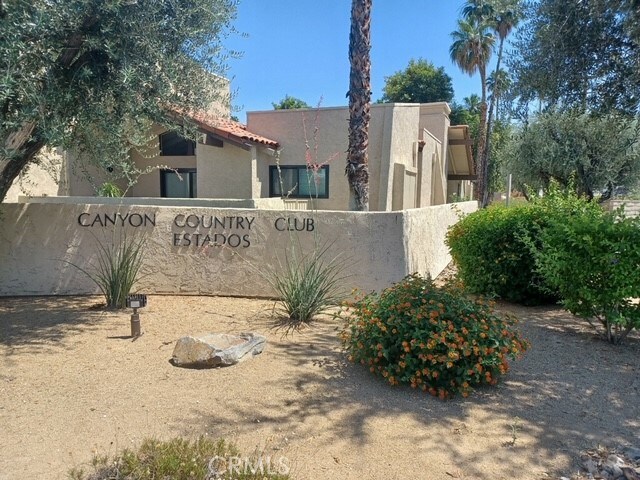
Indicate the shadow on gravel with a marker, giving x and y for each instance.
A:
(37, 321)
(551, 395)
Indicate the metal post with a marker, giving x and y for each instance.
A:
(135, 323)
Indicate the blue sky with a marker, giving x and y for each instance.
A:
(300, 48)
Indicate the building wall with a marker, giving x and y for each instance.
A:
(288, 127)
(435, 118)
(403, 159)
(43, 179)
(425, 230)
(224, 172)
(401, 177)
(631, 207)
(40, 242)
(393, 137)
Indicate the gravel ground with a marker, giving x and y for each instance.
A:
(72, 384)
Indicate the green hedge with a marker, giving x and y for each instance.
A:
(593, 261)
(493, 248)
(490, 249)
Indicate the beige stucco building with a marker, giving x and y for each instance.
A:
(416, 159)
(243, 198)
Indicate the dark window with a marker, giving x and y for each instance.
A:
(179, 183)
(172, 144)
(298, 182)
(213, 141)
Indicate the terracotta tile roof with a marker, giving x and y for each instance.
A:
(226, 128)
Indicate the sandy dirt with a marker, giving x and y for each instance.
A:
(72, 384)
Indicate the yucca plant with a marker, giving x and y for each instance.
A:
(116, 269)
(308, 284)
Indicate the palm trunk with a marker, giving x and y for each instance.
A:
(487, 145)
(357, 169)
(481, 160)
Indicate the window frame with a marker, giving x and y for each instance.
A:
(273, 170)
(191, 145)
(188, 174)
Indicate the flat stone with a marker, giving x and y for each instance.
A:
(216, 349)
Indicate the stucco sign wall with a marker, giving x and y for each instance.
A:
(199, 250)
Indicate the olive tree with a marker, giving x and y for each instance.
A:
(594, 153)
(92, 75)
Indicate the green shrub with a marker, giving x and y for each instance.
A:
(180, 459)
(435, 339)
(492, 247)
(109, 189)
(593, 261)
(492, 259)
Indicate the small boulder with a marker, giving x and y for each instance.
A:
(217, 349)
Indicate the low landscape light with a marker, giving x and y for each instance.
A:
(136, 301)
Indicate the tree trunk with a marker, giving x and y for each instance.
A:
(357, 169)
(11, 168)
(483, 174)
(25, 143)
(487, 145)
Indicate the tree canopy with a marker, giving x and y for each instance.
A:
(290, 103)
(91, 75)
(420, 82)
(582, 55)
(597, 153)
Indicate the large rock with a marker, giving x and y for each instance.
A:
(217, 349)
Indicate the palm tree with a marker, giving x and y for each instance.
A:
(498, 82)
(471, 51)
(504, 17)
(357, 169)
(472, 102)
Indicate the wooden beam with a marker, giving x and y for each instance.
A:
(461, 177)
(460, 141)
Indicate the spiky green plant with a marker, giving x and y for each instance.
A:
(308, 284)
(117, 268)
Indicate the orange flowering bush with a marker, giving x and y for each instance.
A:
(435, 339)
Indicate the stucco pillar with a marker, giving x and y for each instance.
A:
(256, 185)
